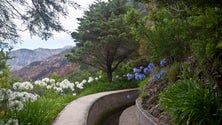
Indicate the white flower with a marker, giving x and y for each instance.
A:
(65, 84)
(80, 85)
(90, 80)
(5, 93)
(16, 99)
(57, 83)
(46, 80)
(83, 81)
(52, 81)
(74, 94)
(40, 83)
(57, 89)
(22, 86)
(12, 122)
(18, 105)
(73, 89)
(96, 78)
(48, 86)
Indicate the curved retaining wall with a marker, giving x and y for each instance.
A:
(108, 103)
(144, 118)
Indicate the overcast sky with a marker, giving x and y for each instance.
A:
(60, 39)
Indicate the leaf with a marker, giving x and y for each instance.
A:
(219, 45)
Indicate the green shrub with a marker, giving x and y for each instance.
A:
(42, 111)
(143, 95)
(143, 83)
(173, 72)
(188, 103)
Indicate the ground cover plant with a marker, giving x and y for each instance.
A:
(188, 102)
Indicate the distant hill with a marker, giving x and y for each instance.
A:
(24, 57)
(40, 69)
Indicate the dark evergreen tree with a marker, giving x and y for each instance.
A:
(104, 38)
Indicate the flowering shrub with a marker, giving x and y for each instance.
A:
(21, 92)
(141, 72)
(12, 122)
(24, 86)
(15, 100)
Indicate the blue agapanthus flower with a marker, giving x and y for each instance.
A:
(151, 66)
(129, 76)
(159, 75)
(135, 70)
(162, 72)
(162, 63)
(141, 67)
(139, 76)
(156, 77)
(146, 70)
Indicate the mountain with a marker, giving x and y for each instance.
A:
(23, 57)
(40, 69)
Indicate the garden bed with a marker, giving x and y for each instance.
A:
(149, 102)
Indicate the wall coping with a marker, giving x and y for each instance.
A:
(144, 117)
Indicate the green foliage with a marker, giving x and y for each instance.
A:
(188, 102)
(183, 29)
(206, 23)
(84, 72)
(104, 38)
(123, 69)
(42, 111)
(173, 73)
(4, 69)
(143, 95)
(143, 83)
(44, 92)
(168, 37)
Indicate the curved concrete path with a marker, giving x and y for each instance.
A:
(76, 112)
(129, 117)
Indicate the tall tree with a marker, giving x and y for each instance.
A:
(40, 17)
(104, 38)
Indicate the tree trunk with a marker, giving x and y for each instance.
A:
(109, 76)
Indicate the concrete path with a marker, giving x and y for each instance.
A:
(128, 117)
(76, 112)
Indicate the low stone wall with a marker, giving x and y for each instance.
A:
(108, 103)
(144, 118)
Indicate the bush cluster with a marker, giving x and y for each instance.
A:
(188, 102)
(26, 95)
